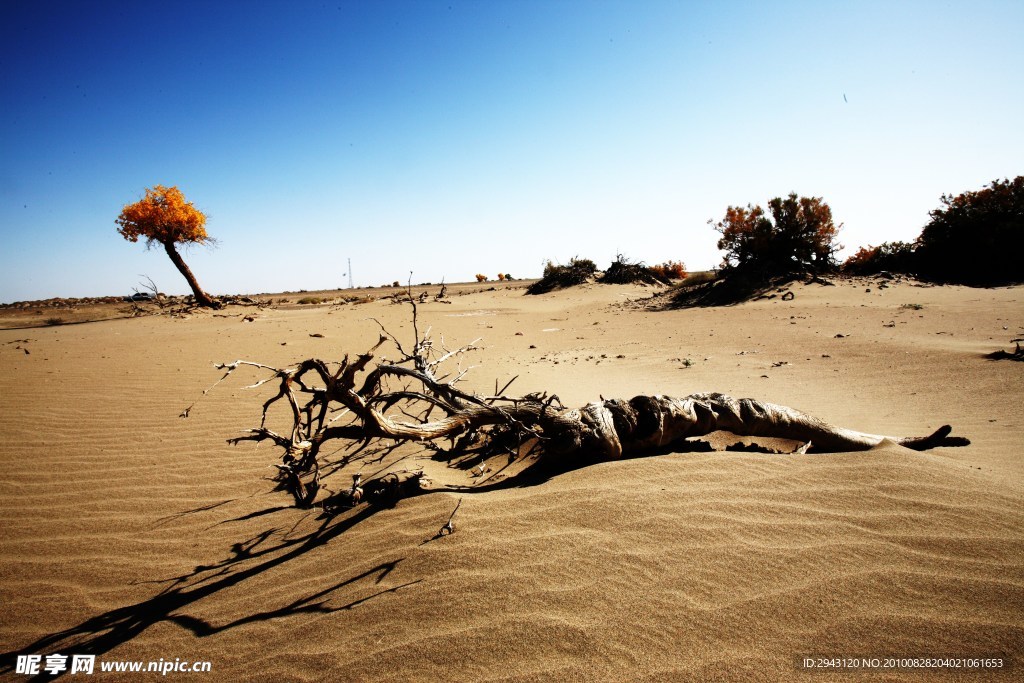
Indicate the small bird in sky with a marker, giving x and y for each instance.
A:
(844, 98)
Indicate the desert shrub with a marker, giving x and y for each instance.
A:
(576, 272)
(670, 270)
(624, 272)
(54, 321)
(480, 277)
(976, 238)
(501, 277)
(309, 300)
(896, 257)
(799, 237)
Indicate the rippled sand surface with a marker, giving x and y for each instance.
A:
(133, 534)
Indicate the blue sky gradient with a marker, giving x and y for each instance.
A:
(454, 138)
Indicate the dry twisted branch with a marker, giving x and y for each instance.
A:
(604, 430)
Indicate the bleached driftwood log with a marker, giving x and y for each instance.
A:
(428, 407)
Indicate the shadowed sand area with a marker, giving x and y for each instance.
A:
(133, 534)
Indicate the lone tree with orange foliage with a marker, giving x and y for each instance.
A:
(165, 217)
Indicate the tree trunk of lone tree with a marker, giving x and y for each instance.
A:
(202, 298)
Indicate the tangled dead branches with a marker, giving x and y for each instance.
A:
(417, 399)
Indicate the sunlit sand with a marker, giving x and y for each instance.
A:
(134, 534)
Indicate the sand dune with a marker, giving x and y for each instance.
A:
(133, 534)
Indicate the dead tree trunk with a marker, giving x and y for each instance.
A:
(424, 407)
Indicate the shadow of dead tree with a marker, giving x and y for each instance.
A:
(102, 633)
(248, 559)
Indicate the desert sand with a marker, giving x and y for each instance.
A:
(134, 534)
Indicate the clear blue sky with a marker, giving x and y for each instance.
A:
(458, 137)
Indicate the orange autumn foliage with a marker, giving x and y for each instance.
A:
(163, 216)
(670, 270)
(798, 237)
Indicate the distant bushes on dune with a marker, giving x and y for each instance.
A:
(621, 271)
(576, 272)
(975, 238)
(670, 270)
(795, 236)
(895, 257)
